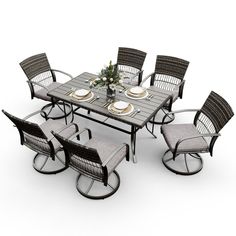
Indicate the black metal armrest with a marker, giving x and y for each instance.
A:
(113, 154)
(193, 137)
(146, 78)
(178, 111)
(77, 134)
(35, 113)
(66, 127)
(62, 72)
(181, 88)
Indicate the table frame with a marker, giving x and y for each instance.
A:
(137, 122)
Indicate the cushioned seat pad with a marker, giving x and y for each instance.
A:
(48, 126)
(104, 149)
(42, 93)
(174, 132)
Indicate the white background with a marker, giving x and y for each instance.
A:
(82, 36)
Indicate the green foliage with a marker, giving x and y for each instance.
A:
(108, 77)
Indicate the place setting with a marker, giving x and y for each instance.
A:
(137, 93)
(82, 95)
(120, 108)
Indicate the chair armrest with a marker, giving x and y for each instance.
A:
(36, 83)
(69, 125)
(178, 111)
(180, 84)
(65, 127)
(137, 74)
(113, 154)
(35, 113)
(62, 72)
(181, 88)
(80, 132)
(146, 78)
(193, 137)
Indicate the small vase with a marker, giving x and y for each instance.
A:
(111, 93)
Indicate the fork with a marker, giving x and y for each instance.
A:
(149, 97)
(73, 89)
(107, 103)
(94, 99)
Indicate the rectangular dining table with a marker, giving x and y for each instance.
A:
(147, 107)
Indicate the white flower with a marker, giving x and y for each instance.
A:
(104, 79)
(120, 81)
(111, 79)
(97, 79)
(112, 86)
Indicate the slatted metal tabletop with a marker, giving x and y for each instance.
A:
(148, 108)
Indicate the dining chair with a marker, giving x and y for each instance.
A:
(130, 62)
(95, 160)
(168, 77)
(187, 141)
(40, 139)
(42, 79)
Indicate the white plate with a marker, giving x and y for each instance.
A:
(83, 99)
(81, 92)
(137, 90)
(120, 113)
(121, 105)
(135, 97)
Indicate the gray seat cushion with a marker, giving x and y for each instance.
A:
(42, 93)
(57, 126)
(104, 149)
(174, 132)
(40, 145)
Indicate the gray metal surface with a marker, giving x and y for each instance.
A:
(148, 107)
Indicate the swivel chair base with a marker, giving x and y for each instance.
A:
(99, 190)
(49, 107)
(189, 158)
(40, 161)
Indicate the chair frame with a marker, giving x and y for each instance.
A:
(126, 57)
(208, 126)
(40, 64)
(36, 131)
(170, 72)
(92, 156)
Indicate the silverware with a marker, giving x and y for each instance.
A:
(136, 111)
(70, 91)
(89, 80)
(149, 97)
(94, 99)
(122, 90)
(107, 103)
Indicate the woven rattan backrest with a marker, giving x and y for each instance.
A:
(26, 126)
(35, 65)
(79, 150)
(131, 57)
(171, 66)
(217, 110)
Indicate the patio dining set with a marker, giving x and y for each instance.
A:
(120, 99)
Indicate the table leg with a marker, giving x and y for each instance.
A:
(64, 108)
(133, 143)
(153, 126)
(151, 131)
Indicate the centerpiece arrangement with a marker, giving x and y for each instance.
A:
(110, 78)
